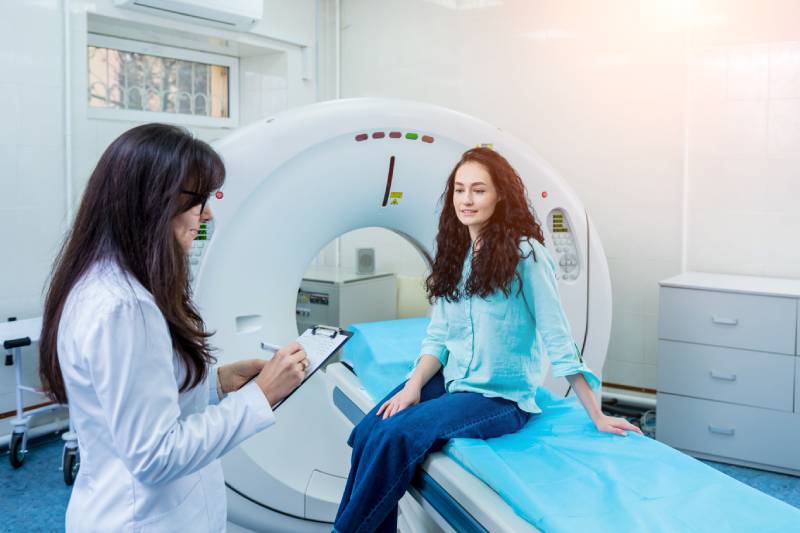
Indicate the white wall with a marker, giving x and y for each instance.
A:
(274, 71)
(31, 150)
(744, 139)
(31, 162)
(596, 87)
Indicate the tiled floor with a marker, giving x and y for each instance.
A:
(34, 497)
(781, 486)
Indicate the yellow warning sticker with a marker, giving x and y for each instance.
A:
(394, 202)
(395, 195)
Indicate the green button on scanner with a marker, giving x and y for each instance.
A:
(412, 136)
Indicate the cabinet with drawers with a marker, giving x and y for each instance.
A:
(729, 369)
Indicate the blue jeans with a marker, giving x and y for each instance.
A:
(386, 452)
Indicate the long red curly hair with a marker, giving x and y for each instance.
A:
(495, 261)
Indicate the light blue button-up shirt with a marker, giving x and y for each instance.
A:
(495, 345)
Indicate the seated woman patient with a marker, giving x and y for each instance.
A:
(494, 290)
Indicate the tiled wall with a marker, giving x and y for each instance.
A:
(744, 139)
(264, 86)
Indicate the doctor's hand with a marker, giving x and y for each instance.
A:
(283, 373)
(407, 396)
(617, 426)
(231, 377)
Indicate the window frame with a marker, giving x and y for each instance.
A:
(185, 54)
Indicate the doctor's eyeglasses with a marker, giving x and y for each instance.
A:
(201, 199)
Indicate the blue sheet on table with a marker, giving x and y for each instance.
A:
(560, 474)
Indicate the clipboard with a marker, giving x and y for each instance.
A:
(320, 344)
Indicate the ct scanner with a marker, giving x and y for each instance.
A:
(297, 181)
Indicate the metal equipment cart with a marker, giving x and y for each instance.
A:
(15, 335)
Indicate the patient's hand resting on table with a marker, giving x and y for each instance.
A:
(603, 423)
(617, 426)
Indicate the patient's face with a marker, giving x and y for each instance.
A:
(474, 195)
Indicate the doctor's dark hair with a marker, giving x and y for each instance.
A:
(495, 263)
(126, 216)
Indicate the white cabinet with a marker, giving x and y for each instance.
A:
(728, 376)
(797, 383)
(752, 322)
(725, 431)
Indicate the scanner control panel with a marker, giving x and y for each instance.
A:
(199, 245)
(564, 245)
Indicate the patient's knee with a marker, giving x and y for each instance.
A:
(363, 429)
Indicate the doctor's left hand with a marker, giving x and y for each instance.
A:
(232, 376)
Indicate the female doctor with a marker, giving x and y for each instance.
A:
(123, 342)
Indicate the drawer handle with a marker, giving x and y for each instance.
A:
(724, 321)
(721, 431)
(723, 377)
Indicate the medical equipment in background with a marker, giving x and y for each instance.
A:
(338, 296)
(365, 261)
(237, 15)
(359, 163)
(15, 335)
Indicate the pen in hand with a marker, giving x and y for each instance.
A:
(270, 347)
(267, 347)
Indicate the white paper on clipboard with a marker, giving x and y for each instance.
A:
(320, 344)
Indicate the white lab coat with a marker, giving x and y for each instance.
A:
(149, 454)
